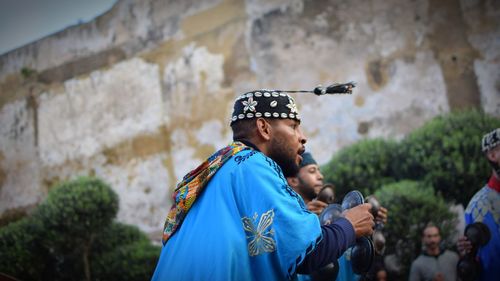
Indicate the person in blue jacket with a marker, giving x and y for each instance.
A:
(236, 218)
(485, 207)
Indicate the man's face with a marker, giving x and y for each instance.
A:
(431, 238)
(286, 145)
(381, 275)
(494, 155)
(310, 181)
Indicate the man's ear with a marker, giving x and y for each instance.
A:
(293, 181)
(264, 129)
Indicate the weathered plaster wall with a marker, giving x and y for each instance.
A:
(143, 93)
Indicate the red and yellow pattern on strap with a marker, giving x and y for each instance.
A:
(193, 184)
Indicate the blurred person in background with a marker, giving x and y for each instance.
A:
(308, 182)
(434, 263)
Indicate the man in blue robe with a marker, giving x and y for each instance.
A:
(236, 218)
(485, 207)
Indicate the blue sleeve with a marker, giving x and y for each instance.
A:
(337, 237)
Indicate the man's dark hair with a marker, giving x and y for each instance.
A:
(431, 224)
(242, 129)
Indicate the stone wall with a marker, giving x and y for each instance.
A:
(143, 93)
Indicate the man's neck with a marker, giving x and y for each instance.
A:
(433, 252)
(494, 182)
(303, 196)
(255, 144)
(248, 143)
(306, 200)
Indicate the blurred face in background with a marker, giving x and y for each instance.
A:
(310, 181)
(494, 158)
(431, 238)
(381, 275)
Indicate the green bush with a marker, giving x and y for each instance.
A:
(123, 252)
(73, 213)
(365, 166)
(446, 153)
(71, 236)
(20, 253)
(77, 209)
(135, 261)
(411, 206)
(115, 235)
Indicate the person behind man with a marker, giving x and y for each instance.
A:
(434, 263)
(485, 207)
(308, 182)
(236, 218)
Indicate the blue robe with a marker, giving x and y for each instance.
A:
(345, 268)
(485, 207)
(247, 224)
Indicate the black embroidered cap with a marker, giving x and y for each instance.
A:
(490, 140)
(265, 103)
(277, 103)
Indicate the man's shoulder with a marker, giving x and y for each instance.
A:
(477, 198)
(248, 156)
(420, 261)
(253, 159)
(450, 254)
(420, 258)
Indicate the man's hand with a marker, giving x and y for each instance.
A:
(316, 206)
(464, 246)
(361, 219)
(382, 215)
(438, 277)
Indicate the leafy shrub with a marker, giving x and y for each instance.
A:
(115, 235)
(123, 252)
(446, 152)
(71, 236)
(77, 209)
(135, 261)
(411, 206)
(365, 166)
(20, 254)
(72, 214)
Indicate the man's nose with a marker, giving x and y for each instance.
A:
(320, 175)
(302, 137)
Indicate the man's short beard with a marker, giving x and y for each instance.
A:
(495, 167)
(286, 162)
(289, 168)
(307, 191)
